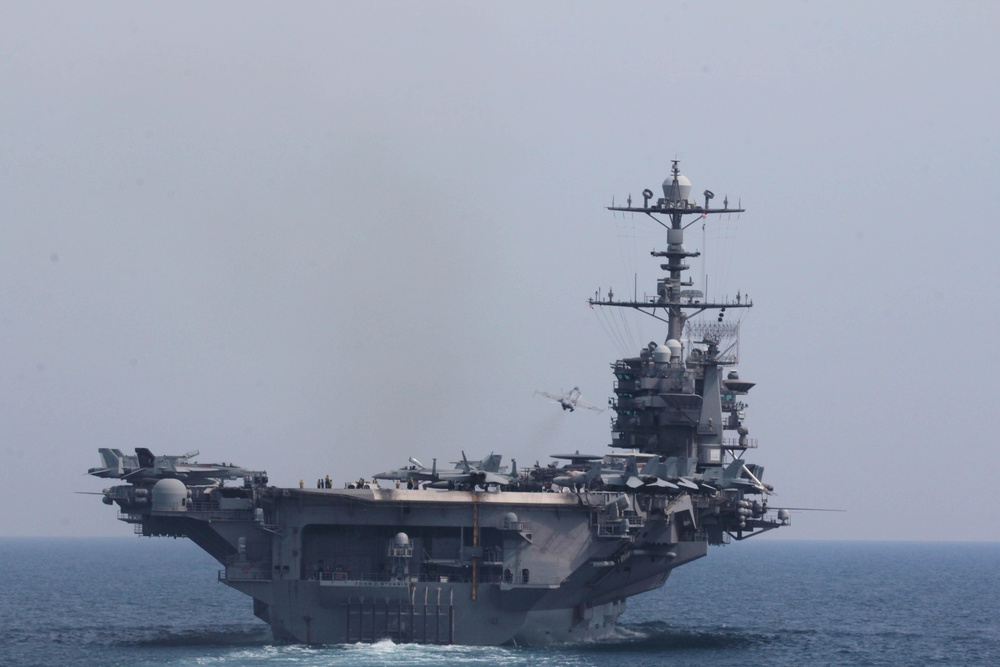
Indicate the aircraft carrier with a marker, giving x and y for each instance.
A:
(478, 554)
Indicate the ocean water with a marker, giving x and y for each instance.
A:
(137, 601)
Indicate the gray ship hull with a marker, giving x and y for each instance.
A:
(325, 567)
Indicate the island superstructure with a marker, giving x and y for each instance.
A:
(481, 555)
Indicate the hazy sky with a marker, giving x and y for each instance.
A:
(318, 238)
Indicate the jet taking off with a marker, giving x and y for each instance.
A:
(570, 400)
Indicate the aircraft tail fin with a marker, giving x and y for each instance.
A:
(651, 467)
(146, 458)
(111, 458)
(112, 463)
(492, 462)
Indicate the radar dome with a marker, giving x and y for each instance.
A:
(401, 540)
(170, 495)
(675, 348)
(678, 191)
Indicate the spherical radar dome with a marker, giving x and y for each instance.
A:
(170, 495)
(678, 192)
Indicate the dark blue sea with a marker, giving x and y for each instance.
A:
(135, 601)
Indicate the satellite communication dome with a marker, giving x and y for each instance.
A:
(401, 540)
(170, 495)
(675, 348)
(662, 354)
(678, 192)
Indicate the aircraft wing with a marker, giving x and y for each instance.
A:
(687, 484)
(662, 484)
(589, 406)
(493, 478)
(473, 476)
(555, 397)
(419, 474)
(200, 468)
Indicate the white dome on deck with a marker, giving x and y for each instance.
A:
(170, 495)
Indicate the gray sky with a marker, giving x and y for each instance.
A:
(320, 238)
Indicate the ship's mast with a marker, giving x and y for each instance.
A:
(674, 204)
(670, 401)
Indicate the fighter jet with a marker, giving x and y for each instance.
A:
(630, 478)
(570, 400)
(738, 474)
(466, 473)
(541, 476)
(582, 479)
(682, 472)
(416, 471)
(490, 464)
(673, 472)
(145, 467)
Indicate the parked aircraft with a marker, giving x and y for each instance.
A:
(478, 473)
(143, 465)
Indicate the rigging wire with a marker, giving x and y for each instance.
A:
(627, 329)
(629, 235)
(726, 237)
(610, 330)
(627, 244)
(604, 328)
(726, 233)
